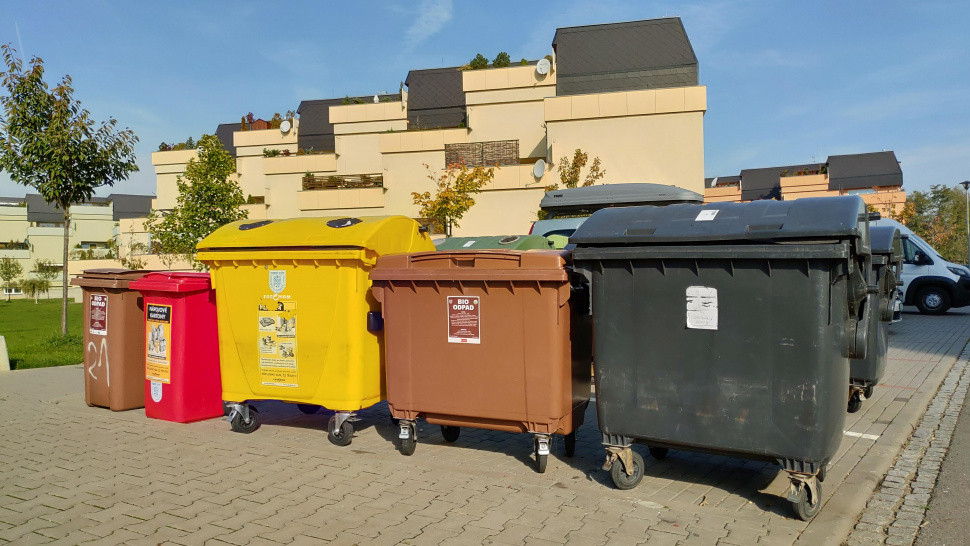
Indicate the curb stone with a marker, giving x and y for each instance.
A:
(907, 487)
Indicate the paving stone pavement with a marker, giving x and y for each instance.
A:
(896, 512)
(71, 474)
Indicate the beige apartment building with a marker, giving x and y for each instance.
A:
(875, 177)
(627, 93)
(32, 230)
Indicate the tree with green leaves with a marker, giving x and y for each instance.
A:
(570, 171)
(46, 271)
(49, 143)
(939, 217)
(33, 287)
(10, 269)
(502, 60)
(453, 195)
(207, 200)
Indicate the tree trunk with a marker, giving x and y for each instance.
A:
(67, 238)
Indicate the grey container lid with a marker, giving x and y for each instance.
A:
(611, 195)
(758, 221)
(885, 240)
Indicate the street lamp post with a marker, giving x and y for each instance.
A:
(966, 190)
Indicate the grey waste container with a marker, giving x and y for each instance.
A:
(727, 328)
(887, 256)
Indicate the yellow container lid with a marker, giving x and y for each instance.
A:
(380, 234)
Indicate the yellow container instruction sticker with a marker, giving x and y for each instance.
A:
(158, 344)
(277, 343)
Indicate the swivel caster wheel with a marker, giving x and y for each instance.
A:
(625, 481)
(243, 418)
(450, 433)
(806, 507)
(855, 402)
(541, 450)
(570, 440)
(409, 437)
(340, 436)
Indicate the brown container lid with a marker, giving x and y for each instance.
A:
(108, 278)
(469, 265)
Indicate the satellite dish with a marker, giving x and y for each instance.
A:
(376, 99)
(539, 169)
(543, 66)
(285, 126)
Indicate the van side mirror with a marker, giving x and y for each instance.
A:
(920, 258)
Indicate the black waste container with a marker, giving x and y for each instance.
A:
(727, 328)
(887, 256)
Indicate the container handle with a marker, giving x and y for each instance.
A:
(860, 331)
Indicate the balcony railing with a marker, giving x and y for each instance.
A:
(343, 181)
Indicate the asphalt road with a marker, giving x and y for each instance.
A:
(948, 518)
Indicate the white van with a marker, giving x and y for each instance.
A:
(931, 283)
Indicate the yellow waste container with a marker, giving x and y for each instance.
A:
(297, 320)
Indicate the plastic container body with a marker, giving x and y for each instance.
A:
(293, 302)
(886, 268)
(181, 379)
(727, 328)
(114, 344)
(484, 339)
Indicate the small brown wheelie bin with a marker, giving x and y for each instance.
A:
(114, 339)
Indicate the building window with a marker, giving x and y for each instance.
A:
(493, 153)
(12, 291)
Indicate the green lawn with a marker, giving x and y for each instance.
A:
(33, 332)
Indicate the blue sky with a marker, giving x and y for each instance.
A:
(787, 82)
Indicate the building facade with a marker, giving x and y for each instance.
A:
(32, 230)
(876, 177)
(626, 93)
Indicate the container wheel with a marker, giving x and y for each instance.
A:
(620, 478)
(868, 391)
(822, 472)
(570, 444)
(450, 433)
(855, 403)
(541, 460)
(341, 437)
(659, 453)
(408, 444)
(308, 409)
(238, 424)
(806, 508)
(226, 408)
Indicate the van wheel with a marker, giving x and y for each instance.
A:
(933, 300)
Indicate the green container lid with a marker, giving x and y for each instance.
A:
(510, 242)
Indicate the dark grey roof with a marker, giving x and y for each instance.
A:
(721, 181)
(857, 171)
(316, 131)
(126, 205)
(224, 133)
(624, 56)
(435, 98)
(765, 183)
(611, 195)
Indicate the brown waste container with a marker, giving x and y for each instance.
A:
(484, 339)
(114, 339)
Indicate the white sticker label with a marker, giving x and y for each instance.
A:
(702, 307)
(157, 391)
(468, 244)
(706, 215)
